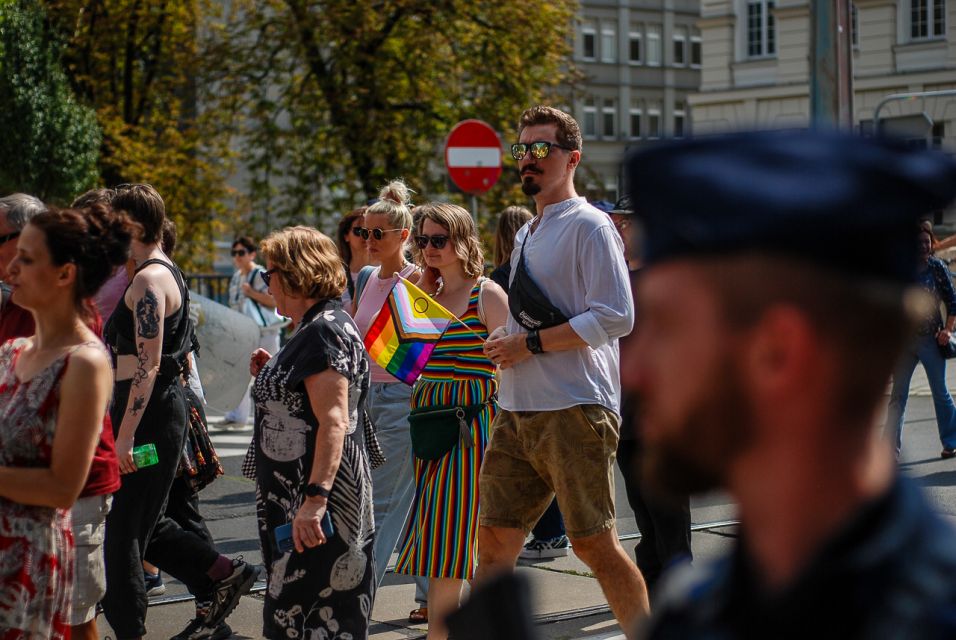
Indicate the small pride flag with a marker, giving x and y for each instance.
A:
(403, 334)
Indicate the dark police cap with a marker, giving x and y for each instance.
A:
(844, 202)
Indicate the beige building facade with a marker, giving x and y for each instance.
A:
(639, 61)
(755, 71)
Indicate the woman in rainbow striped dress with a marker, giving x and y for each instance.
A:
(442, 535)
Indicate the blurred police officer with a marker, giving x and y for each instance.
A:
(772, 312)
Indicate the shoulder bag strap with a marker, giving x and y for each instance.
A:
(361, 281)
(252, 277)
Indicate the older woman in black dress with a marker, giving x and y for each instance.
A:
(307, 462)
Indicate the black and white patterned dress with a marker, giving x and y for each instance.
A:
(326, 592)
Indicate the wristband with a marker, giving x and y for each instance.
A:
(312, 490)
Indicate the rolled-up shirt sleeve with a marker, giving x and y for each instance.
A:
(610, 312)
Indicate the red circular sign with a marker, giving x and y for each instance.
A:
(473, 156)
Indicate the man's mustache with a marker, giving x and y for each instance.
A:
(527, 170)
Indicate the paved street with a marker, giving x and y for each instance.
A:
(568, 601)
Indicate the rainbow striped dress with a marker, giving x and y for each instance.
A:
(441, 538)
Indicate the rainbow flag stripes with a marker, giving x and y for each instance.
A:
(403, 334)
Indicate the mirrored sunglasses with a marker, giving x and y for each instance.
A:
(438, 242)
(539, 149)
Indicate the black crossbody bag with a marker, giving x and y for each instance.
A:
(527, 303)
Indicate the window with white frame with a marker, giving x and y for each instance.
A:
(588, 42)
(680, 49)
(608, 44)
(696, 54)
(590, 118)
(608, 117)
(761, 31)
(634, 47)
(634, 114)
(679, 120)
(654, 45)
(927, 19)
(654, 122)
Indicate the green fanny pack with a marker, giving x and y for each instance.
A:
(436, 430)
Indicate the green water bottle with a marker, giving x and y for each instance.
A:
(145, 455)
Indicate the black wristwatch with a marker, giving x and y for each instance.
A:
(312, 490)
(533, 341)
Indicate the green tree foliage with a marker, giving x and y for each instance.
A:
(143, 66)
(50, 142)
(342, 95)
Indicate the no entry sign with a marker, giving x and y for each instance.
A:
(473, 156)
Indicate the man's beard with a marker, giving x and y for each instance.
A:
(695, 458)
(529, 186)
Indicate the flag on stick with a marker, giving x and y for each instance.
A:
(404, 333)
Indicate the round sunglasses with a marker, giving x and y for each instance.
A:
(437, 241)
(378, 234)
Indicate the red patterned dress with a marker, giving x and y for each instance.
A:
(36, 543)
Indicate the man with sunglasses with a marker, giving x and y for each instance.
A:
(15, 211)
(557, 432)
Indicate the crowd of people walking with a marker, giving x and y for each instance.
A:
(517, 418)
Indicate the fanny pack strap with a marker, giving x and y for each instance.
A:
(525, 298)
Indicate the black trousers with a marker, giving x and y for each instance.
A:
(180, 538)
(664, 525)
(138, 511)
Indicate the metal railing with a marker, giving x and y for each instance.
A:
(214, 286)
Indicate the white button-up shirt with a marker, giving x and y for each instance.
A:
(576, 258)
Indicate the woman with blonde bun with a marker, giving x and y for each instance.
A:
(386, 227)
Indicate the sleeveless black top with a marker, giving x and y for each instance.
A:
(120, 330)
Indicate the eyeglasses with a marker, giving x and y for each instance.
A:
(267, 275)
(436, 241)
(238, 252)
(357, 231)
(378, 234)
(10, 236)
(540, 149)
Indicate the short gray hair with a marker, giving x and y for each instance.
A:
(19, 208)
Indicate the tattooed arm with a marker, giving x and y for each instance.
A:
(148, 302)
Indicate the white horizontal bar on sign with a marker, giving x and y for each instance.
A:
(474, 157)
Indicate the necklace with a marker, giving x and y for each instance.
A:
(441, 287)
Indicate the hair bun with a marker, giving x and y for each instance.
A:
(396, 191)
(110, 234)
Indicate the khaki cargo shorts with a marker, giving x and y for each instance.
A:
(534, 455)
(89, 577)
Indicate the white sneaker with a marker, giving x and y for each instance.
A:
(551, 548)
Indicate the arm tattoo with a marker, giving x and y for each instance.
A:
(138, 405)
(147, 315)
(141, 358)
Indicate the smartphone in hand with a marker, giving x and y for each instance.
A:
(283, 533)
